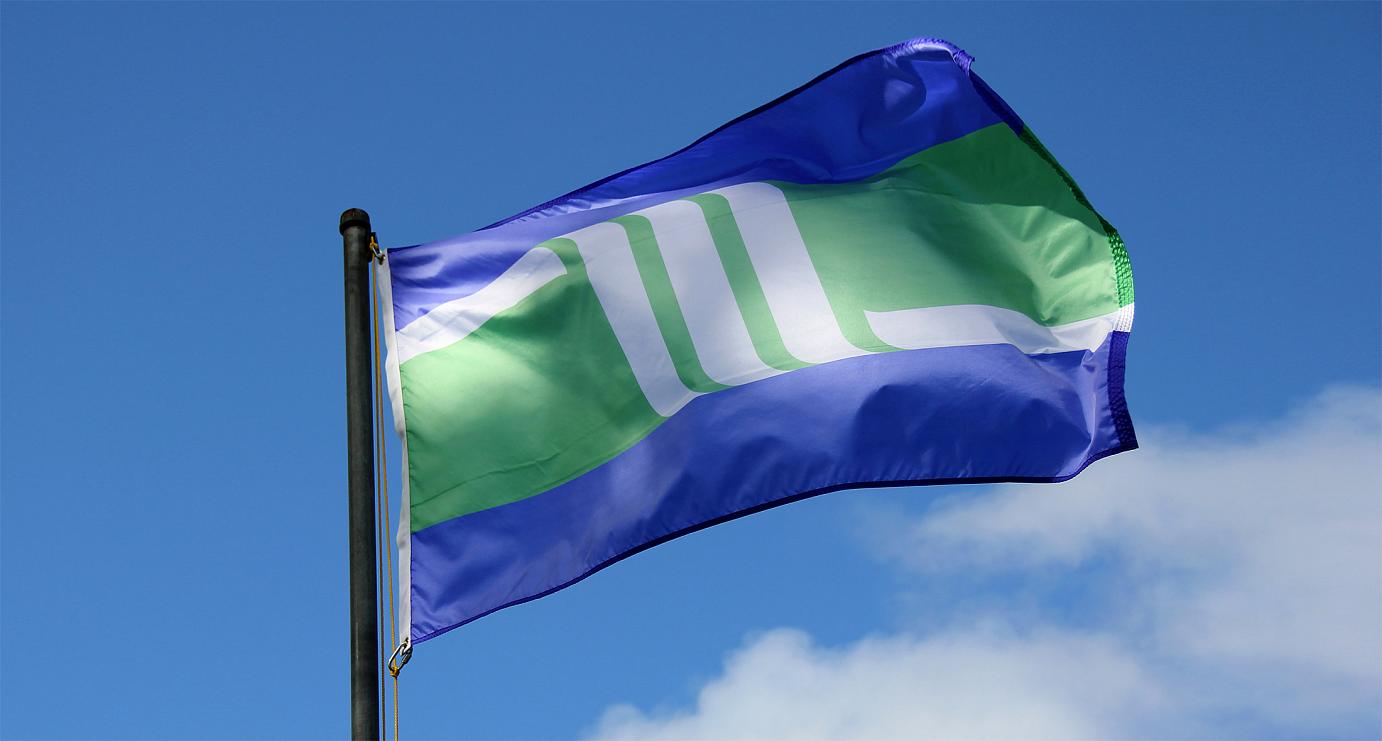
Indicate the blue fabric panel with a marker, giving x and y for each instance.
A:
(850, 123)
(949, 415)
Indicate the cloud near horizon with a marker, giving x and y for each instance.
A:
(1227, 584)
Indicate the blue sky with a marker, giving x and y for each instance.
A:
(173, 435)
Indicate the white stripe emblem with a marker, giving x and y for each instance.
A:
(717, 327)
(795, 295)
(609, 262)
(954, 326)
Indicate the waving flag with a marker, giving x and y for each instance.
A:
(879, 279)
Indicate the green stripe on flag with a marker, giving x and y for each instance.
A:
(535, 396)
(666, 308)
(748, 292)
(1121, 264)
(978, 220)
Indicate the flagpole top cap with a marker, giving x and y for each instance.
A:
(354, 217)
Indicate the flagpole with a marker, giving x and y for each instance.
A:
(364, 625)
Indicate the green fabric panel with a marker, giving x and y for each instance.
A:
(536, 396)
(978, 220)
(1122, 266)
(748, 292)
(666, 308)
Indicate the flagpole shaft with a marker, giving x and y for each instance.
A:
(364, 625)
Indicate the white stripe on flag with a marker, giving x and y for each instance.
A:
(794, 292)
(613, 273)
(952, 326)
(717, 327)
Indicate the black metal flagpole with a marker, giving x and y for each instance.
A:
(364, 625)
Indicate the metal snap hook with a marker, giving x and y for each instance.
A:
(400, 656)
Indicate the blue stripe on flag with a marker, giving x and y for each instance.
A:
(949, 415)
(852, 122)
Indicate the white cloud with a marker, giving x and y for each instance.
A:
(1238, 592)
(1260, 548)
(975, 685)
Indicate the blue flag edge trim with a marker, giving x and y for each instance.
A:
(1123, 439)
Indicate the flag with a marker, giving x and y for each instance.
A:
(881, 278)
